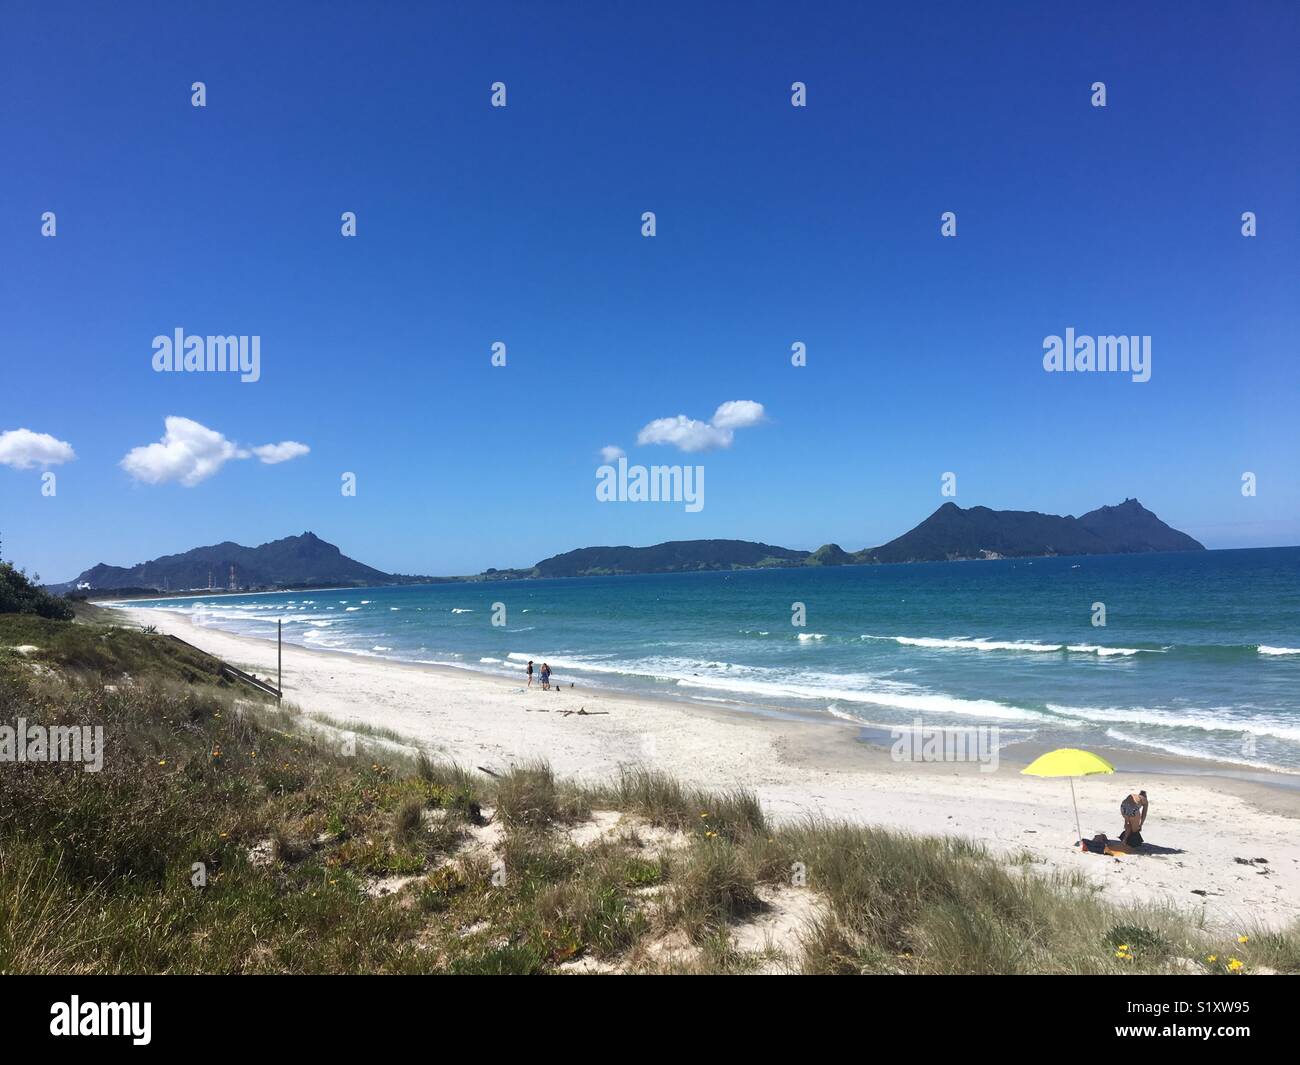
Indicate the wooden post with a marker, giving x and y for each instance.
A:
(279, 659)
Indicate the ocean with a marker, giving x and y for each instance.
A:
(1199, 656)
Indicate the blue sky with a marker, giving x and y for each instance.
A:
(522, 224)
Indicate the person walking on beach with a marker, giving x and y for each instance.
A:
(530, 673)
(1134, 810)
(546, 677)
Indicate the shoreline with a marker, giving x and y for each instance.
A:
(800, 766)
(1126, 759)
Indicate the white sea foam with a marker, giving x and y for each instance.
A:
(584, 665)
(981, 643)
(811, 636)
(229, 615)
(769, 683)
(1184, 719)
(1264, 649)
(1007, 734)
(919, 702)
(965, 643)
(1192, 752)
(461, 610)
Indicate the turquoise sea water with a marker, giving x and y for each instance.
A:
(1200, 654)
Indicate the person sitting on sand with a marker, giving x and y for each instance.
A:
(530, 673)
(1134, 811)
(546, 677)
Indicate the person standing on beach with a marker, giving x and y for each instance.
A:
(530, 673)
(546, 677)
(1134, 810)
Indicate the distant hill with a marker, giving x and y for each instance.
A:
(830, 555)
(677, 556)
(1131, 527)
(978, 532)
(295, 561)
(950, 533)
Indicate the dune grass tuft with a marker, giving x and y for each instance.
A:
(529, 796)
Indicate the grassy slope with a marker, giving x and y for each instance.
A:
(96, 870)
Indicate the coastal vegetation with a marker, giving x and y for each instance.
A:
(19, 595)
(226, 835)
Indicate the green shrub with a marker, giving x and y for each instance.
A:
(19, 595)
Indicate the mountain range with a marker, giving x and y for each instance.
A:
(978, 532)
(951, 533)
(296, 561)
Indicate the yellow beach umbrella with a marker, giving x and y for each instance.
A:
(1069, 762)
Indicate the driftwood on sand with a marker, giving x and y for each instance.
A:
(581, 711)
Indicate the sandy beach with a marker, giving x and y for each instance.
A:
(1229, 847)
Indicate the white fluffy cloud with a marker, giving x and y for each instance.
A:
(738, 414)
(685, 433)
(22, 449)
(281, 452)
(690, 434)
(190, 453)
(612, 453)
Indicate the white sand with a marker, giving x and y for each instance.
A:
(803, 766)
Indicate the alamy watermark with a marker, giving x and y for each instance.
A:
(212, 354)
(55, 743)
(927, 743)
(77, 1018)
(1110, 354)
(651, 484)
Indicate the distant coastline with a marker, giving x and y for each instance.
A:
(951, 534)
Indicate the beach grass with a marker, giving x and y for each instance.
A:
(663, 800)
(225, 834)
(528, 796)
